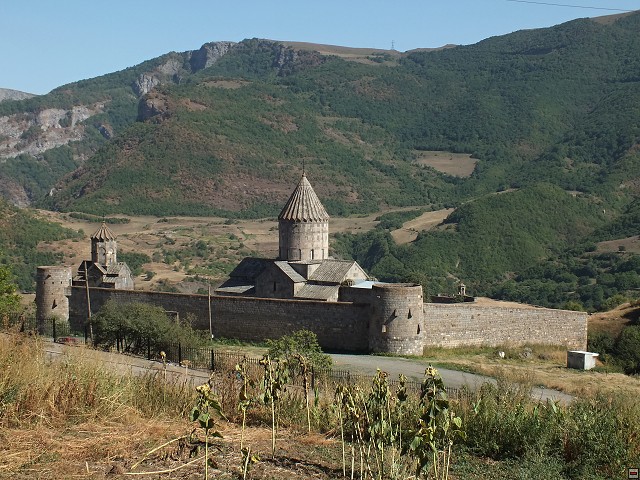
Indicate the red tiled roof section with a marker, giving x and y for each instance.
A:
(304, 205)
(103, 233)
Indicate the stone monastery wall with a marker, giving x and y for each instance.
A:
(453, 325)
(344, 326)
(339, 326)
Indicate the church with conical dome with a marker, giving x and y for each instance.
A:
(303, 269)
(104, 270)
(304, 288)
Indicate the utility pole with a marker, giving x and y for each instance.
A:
(209, 303)
(86, 283)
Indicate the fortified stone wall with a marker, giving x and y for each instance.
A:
(339, 326)
(357, 327)
(397, 319)
(52, 284)
(454, 325)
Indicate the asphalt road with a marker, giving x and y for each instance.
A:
(414, 370)
(363, 364)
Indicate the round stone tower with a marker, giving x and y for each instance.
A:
(397, 319)
(303, 226)
(51, 294)
(104, 248)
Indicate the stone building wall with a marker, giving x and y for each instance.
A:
(347, 326)
(339, 326)
(52, 284)
(453, 325)
(397, 319)
(303, 240)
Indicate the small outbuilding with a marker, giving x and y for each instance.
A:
(581, 360)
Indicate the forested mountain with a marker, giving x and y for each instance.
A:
(549, 115)
(21, 232)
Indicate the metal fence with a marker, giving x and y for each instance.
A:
(56, 329)
(201, 357)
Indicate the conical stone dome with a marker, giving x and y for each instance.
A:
(104, 248)
(304, 205)
(303, 226)
(103, 233)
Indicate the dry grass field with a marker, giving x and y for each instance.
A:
(228, 241)
(630, 244)
(409, 231)
(456, 164)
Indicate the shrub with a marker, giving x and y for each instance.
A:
(303, 342)
(138, 327)
(627, 349)
(601, 436)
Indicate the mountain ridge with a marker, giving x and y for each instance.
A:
(548, 117)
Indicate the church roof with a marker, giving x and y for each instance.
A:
(332, 271)
(289, 272)
(317, 292)
(103, 233)
(304, 205)
(249, 268)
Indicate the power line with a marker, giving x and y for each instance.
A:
(571, 6)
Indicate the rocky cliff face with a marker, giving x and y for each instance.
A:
(209, 54)
(33, 132)
(36, 133)
(179, 65)
(8, 94)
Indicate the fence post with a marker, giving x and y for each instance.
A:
(85, 335)
(213, 362)
(179, 353)
(148, 349)
(313, 378)
(54, 328)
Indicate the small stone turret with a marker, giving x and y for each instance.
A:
(104, 248)
(303, 226)
(397, 319)
(52, 284)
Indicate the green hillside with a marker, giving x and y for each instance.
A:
(549, 114)
(482, 242)
(21, 235)
(554, 105)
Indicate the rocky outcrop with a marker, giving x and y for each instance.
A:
(8, 94)
(144, 84)
(34, 134)
(153, 106)
(209, 54)
(176, 66)
(171, 70)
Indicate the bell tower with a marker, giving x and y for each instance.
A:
(104, 248)
(303, 226)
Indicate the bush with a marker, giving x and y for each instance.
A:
(303, 342)
(504, 423)
(601, 437)
(627, 349)
(138, 327)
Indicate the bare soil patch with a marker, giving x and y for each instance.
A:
(228, 242)
(614, 321)
(409, 231)
(360, 55)
(111, 449)
(456, 164)
(629, 244)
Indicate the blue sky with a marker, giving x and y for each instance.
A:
(47, 43)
